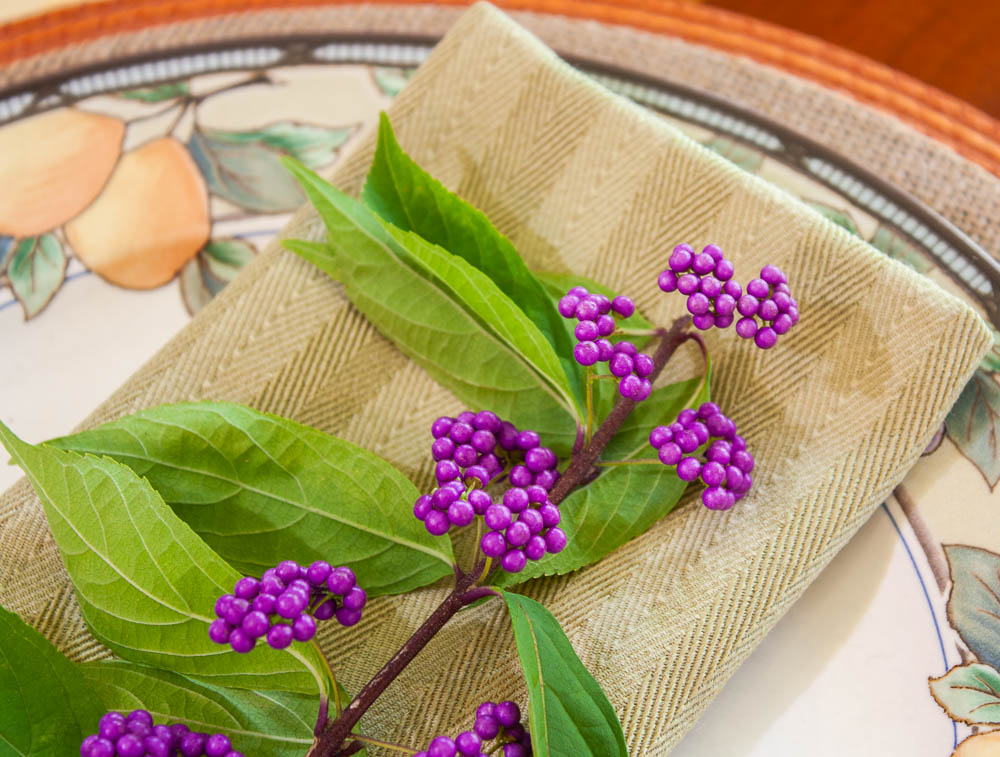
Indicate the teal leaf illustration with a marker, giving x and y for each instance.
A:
(158, 93)
(409, 198)
(387, 283)
(736, 152)
(36, 269)
(974, 604)
(260, 489)
(839, 217)
(244, 167)
(568, 713)
(256, 722)
(46, 705)
(974, 424)
(969, 693)
(215, 265)
(896, 246)
(391, 79)
(145, 582)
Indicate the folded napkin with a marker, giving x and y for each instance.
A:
(581, 181)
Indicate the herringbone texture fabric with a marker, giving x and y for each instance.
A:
(581, 181)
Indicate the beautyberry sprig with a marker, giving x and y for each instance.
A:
(284, 604)
(134, 735)
(769, 299)
(499, 723)
(726, 466)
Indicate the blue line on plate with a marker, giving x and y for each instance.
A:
(930, 606)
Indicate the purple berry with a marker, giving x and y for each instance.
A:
(422, 506)
(702, 263)
(743, 461)
(102, 748)
(626, 348)
(193, 744)
(318, 572)
(460, 513)
(271, 584)
(536, 494)
(521, 476)
(304, 627)
(688, 469)
(514, 750)
(355, 599)
(732, 288)
(688, 283)
(493, 544)
(513, 560)
(645, 389)
(255, 624)
(442, 746)
(138, 728)
(326, 610)
(567, 306)
(241, 641)
(550, 515)
(711, 287)
(468, 743)
(130, 745)
(222, 604)
(547, 478)
(446, 470)
(527, 440)
(734, 478)
(155, 747)
(605, 325)
(670, 454)
(724, 269)
(487, 421)
(290, 604)
(480, 501)
(348, 617)
(587, 331)
(603, 303)
(706, 409)
(516, 499)
(587, 310)
(487, 727)
(112, 725)
(700, 430)
(605, 350)
(517, 534)
(508, 713)
(620, 365)
(586, 353)
(498, 517)
(772, 275)
(667, 281)
(535, 548)
(713, 251)
(643, 365)
(217, 745)
(687, 440)
(555, 540)
(713, 474)
(236, 611)
(461, 432)
(768, 310)
(705, 321)
(623, 306)
(724, 304)
(747, 305)
(280, 636)
(746, 327)
(247, 588)
(719, 425)
(443, 448)
(766, 338)
(437, 523)
(758, 288)
(532, 519)
(465, 455)
(782, 324)
(659, 436)
(288, 570)
(716, 498)
(341, 580)
(630, 387)
(441, 427)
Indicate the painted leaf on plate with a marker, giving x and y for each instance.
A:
(896, 246)
(409, 198)
(388, 285)
(244, 167)
(991, 363)
(974, 604)
(36, 268)
(215, 265)
(838, 216)
(568, 713)
(970, 693)
(158, 93)
(391, 79)
(974, 424)
(260, 489)
(736, 152)
(256, 722)
(145, 582)
(6, 246)
(46, 705)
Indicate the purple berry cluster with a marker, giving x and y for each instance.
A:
(727, 464)
(284, 604)
(595, 315)
(499, 723)
(474, 450)
(715, 298)
(134, 735)
(769, 299)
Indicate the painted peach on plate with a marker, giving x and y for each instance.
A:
(150, 219)
(54, 164)
(980, 745)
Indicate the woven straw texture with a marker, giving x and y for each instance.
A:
(581, 181)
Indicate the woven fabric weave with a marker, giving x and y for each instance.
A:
(581, 181)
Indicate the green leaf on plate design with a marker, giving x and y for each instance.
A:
(257, 722)
(387, 283)
(145, 582)
(736, 152)
(36, 268)
(6, 246)
(260, 489)
(974, 604)
(974, 424)
(391, 79)
(244, 167)
(159, 93)
(969, 693)
(409, 198)
(839, 217)
(992, 360)
(215, 265)
(46, 706)
(568, 713)
(897, 247)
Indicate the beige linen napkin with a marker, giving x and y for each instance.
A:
(581, 181)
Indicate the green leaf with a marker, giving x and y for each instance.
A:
(36, 270)
(991, 363)
(145, 582)
(244, 167)
(969, 693)
(46, 706)
(736, 152)
(568, 714)
(159, 93)
(406, 196)
(839, 217)
(258, 723)
(260, 489)
(388, 284)
(391, 79)
(974, 604)
(974, 424)
(215, 265)
(625, 500)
